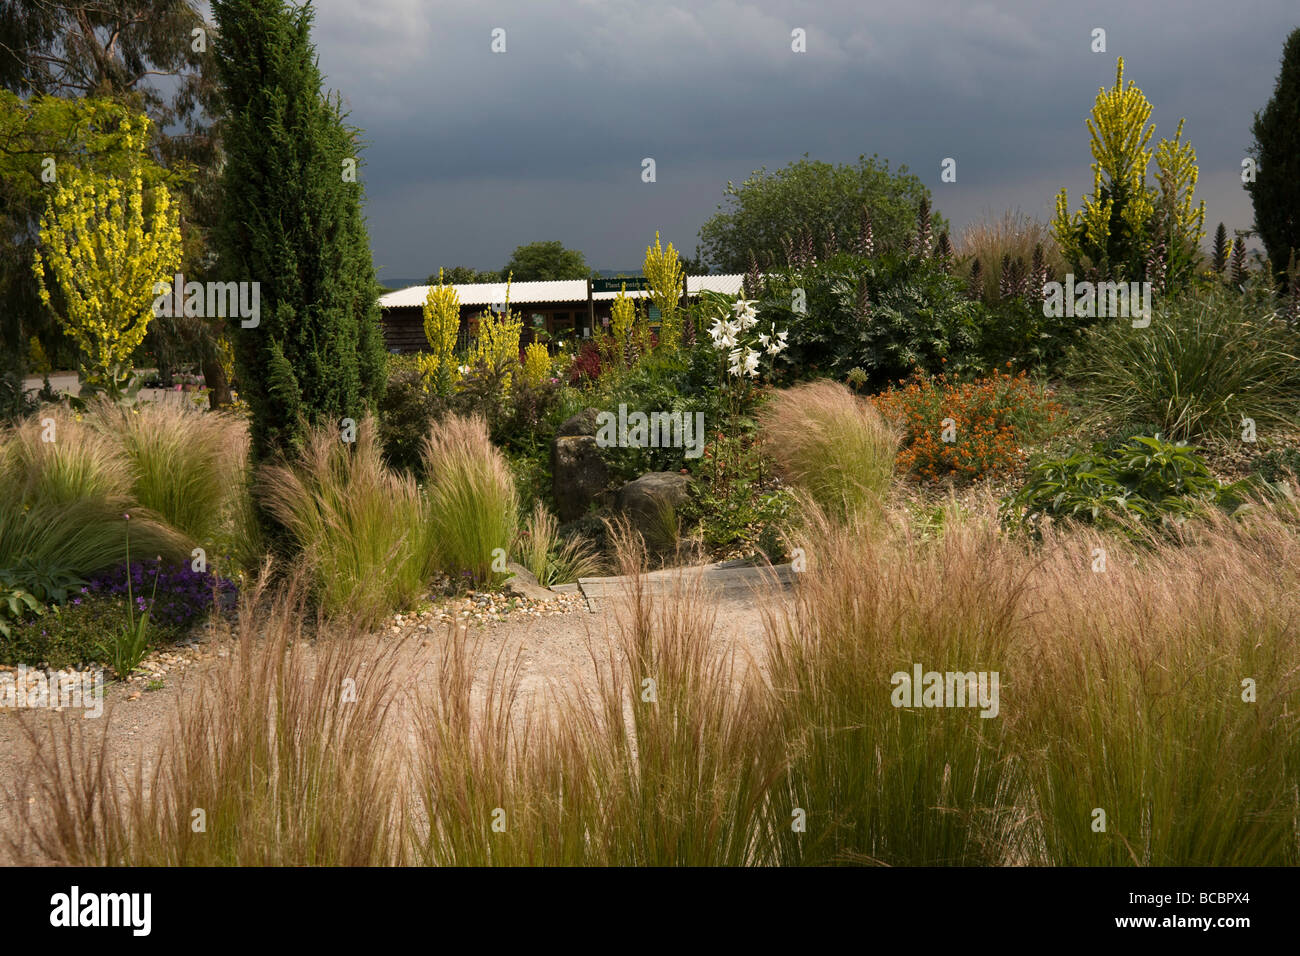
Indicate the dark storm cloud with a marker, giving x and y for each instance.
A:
(471, 153)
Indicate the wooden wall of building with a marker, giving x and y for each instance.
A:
(404, 327)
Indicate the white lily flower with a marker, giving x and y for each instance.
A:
(763, 339)
(742, 306)
(751, 363)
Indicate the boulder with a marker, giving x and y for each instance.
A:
(642, 499)
(583, 423)
(578, 473)
(523, 583)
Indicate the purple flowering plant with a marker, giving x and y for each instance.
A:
(183, 595)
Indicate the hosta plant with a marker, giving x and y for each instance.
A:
(1145, 481)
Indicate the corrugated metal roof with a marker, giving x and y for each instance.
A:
(534, 293)
(727, 285)
(488, 293)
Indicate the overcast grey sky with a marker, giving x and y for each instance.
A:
(471, 153)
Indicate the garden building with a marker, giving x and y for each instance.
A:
(564, 308)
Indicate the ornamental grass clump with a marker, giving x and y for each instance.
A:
(281, 757)
(1158, 698)
(832, 444)
(683, 753)
(661, 760)
(1215, 365)
(872, 781)
(184, 464)
(471, 503)
(66, 490)
(361, 530)
(552, 559)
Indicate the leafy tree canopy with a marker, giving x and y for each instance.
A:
(816, 198)
(540, 261)
(462, 275)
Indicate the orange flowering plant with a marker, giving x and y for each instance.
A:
(967, 429)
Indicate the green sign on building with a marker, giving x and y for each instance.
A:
(633, 283)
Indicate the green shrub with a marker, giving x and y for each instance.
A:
(887, 316)
(361, 529)
(15, 604)
(77, 633)
(1203, 365)
(1145, 481)
(27, 588)
(472, 505)
(685, 382)
(1278, 465)
(734, 500)
(48, 585)
(405, 414)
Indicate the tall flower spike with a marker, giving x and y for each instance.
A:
(807, 254)
(866, 244)
(975, 284)
(943, 252)
(1239, 271)
(753, 279)
(1221, 249)
(862, 304)
(923, 235)
(1156, 267)
(1021, 279)
(1038, 270)
(1004, 277)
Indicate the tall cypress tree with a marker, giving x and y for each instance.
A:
(291, 220)
(1275, 192)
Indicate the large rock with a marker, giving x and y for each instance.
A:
(583, 423)
(643, 499)
(523, 583)
(579, 474)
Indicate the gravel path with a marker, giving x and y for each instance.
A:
(555, 641)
